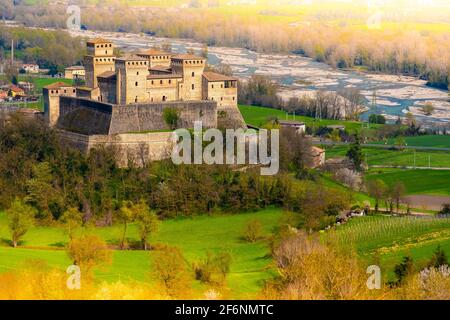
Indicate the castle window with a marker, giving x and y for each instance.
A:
(234, 98)
(164, 98)
(153, 82)
(193, 74)
(221, 98)
(106, 52)
(170, 81)
(160, 82)
(135, 99)
(136, 84)
(193, 86)
(137, 73)
(212, 86)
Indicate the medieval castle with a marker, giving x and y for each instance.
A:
(123, 101)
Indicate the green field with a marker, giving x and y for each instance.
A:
(258, 116)
(387, 157)
(194, 236)
(385, 240)
(429, 182)
(424, 141)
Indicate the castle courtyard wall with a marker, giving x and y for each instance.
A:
(130, 149)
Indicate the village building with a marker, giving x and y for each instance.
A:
(74, 72)
(30, 68)
(300, 127)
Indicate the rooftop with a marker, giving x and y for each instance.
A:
(98, 41)
(58, 85)
(187, 57)
(161, 69)
(213, 76)
(75, 68)
(154, 52)
(164, 76)
(107, 74)
(131, 57)
(291, 123)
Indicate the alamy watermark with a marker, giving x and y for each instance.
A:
(237, 143)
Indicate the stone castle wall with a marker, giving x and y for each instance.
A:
(90, 117)
(136, 149)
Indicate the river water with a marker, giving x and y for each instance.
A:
(298, 75)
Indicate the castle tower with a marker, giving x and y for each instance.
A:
(132, 72)
(99, 59)
(191, 67)
(51, 95)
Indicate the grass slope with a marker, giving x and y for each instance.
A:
(386, 157)
(194, 236)
(425, 141)
(430, 182)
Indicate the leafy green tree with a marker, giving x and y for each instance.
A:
(171, 117)
(40, 189)
(171, 271)
(87, 252)
(72, 219)
(439, 258)
(355, 154)
(404, 269)
(147, 222)
(21, 219)
(125, 215)
(377, 190)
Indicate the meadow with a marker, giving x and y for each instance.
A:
(425, 182)
(401, 158)
(194, 236)
(424, 141)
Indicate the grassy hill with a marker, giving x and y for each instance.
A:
(386, 157)
(194, 236)
(424, 141)
(429, 182)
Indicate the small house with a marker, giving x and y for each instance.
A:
(300, 127)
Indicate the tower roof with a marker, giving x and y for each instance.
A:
(187, 57)
(131, 57)
(154, 52)
(213, 77)
(58, 85)
(98, 41)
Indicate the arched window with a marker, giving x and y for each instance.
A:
(193, 86)
(136, 84)
(193, 74)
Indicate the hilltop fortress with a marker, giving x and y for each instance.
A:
(124, 101)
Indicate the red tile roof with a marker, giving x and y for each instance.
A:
(213, 77)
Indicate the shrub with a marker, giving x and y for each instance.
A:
(171, 117)
(253, 231)
(214, 269)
